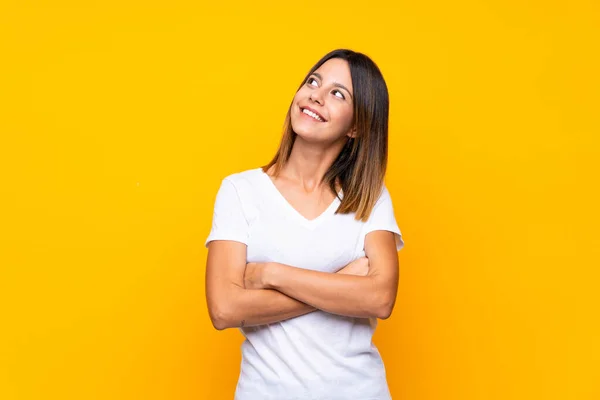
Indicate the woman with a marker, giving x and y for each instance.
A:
(303, 251)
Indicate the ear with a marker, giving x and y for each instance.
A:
(352, 132)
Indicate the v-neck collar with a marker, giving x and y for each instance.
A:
(280, 198)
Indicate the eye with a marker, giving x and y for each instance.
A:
(341, 96)
(310, 79)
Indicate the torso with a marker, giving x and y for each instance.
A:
(317, 355)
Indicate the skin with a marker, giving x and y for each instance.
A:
(241, 294)
(318, 143)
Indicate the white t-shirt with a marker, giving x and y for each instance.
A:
(318, 355)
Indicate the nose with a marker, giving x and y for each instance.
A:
(316, 96)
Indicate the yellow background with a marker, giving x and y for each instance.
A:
(118, 121)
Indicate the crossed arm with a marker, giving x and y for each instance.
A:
(240, 294)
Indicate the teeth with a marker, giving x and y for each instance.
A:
(312, 114)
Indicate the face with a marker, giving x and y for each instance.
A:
(322, 109)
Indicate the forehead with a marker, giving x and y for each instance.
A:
(336, 70)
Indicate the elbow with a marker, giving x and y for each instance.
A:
(384, 307)
(220, 318)
(384, 312)
(223, 309)
(219, 323)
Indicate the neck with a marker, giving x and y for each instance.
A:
(309, 162)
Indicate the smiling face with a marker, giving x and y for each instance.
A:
(322, 109)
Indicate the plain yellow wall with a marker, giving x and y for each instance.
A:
(119, 119)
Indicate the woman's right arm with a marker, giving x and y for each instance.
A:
(230, 305)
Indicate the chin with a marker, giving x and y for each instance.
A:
(310, 132)
(313, 137)
(307, 136)
(301, 130)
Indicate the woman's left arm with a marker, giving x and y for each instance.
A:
(372, 295)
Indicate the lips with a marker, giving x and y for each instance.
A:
(315, 111)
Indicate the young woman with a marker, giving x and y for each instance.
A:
(303, 251)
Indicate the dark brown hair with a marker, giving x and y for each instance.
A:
(360, 167)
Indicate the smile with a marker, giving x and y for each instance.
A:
(312, 114)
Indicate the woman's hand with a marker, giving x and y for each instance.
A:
(254, 275)
(359, 267)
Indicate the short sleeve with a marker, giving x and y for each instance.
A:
(229, 222)
(382, 218)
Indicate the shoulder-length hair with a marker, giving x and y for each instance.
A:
(360, 167)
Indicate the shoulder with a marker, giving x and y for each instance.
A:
(244, 179)
(245, 186)
(383, 207)
(384, 196)
(383, 217)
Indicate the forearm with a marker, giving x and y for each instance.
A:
(349, 295)
(244, 307)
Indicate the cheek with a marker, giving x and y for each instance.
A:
(343, 115)
(294, 105)
(301, 93)
(295, 100)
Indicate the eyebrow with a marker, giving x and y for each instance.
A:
(334, 84)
